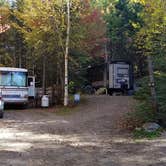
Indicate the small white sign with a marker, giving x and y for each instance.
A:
(77, 97)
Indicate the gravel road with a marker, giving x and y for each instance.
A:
(87, 137)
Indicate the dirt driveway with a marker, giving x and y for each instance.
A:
(88, 137)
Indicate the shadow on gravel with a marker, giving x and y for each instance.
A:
(53, 146)
(89, 138)
(14, 107)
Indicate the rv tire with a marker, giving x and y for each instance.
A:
(1, 114)
(110, 92)
(24, 106)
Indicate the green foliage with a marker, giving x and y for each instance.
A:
(66, 111)
(3, 3)
(150, 40)
(136, 28)
(143, 113)
(72, 108)
(152, 34)
(78, 68)
(144, 91)
(71, 87)
(161, 95)
(140, 134)
(123, 23)
(144, 108)
(42, 25)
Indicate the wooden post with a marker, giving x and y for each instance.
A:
(152, 83)
(44, 76)
(105, 68)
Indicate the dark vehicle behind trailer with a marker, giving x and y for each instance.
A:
(96, 76)
(1, 114)
(116, 72)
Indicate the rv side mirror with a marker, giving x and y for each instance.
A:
(31, 83)
(31, 87)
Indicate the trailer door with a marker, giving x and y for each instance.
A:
(31, 87)
(111, 75)
(121, 72)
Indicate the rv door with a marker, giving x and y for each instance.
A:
(31, 87)
(121, 72)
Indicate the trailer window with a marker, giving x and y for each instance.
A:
(123, 72)
(10, 78)
(5, 78)
(18, 79)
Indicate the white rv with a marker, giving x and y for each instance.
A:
(117, 72)
(120, 71)
(13, 85)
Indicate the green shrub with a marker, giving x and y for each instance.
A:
(161, 93)
(144, 112)
(72, 87)
(139, 134)
(143, 93)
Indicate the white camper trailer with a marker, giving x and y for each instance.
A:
(116, 73)
(120, 72)
(14, 86)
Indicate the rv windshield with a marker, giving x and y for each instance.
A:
(13, 78)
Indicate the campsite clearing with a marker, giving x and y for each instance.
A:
(89, 136)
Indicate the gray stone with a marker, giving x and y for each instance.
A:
(150, 127)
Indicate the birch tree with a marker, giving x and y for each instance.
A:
(67, 54)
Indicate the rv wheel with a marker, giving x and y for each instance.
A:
(110, 92)
(1, 114)
(24, 106)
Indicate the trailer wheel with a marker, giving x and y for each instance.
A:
(1, 114)
(24, 106)
(110, 92)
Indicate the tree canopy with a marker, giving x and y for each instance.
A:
(35, 34)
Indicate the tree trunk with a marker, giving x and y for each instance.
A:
(44, 76)
(61, 79)
(20, 61)
(105, 66)
(152, 83)
(20, 56)
(66, 55)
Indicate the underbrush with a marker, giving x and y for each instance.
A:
(141, 114)
(143, 110)
(140, 134)
(72, 107)
(66, 110)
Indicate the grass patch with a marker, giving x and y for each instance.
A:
(141, 134)
(72, 108)
(66, 110)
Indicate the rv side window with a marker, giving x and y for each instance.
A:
(18, 79)
(5, 78)
(12, 78)
(123, 72)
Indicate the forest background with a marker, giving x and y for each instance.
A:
(33, 36)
